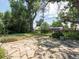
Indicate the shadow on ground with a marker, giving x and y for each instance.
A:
(42, 47)
(61, 49)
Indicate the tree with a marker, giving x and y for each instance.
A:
(1, 15)
(22, 11)
(56, 24)
(1, 27)
(70, 16)
(19, 19)
(6, 21)
(38, 23)
(44, 27)
(32, 8)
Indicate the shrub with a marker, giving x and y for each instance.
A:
(44, 27)
(2, 53)
(56, 24)
(57, 34)
(72, 35)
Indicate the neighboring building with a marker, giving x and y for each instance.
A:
(56, 28)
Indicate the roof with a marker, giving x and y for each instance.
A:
(56, 28)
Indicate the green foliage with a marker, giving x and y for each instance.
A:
(1, 27)
(56, 24)
(44, 27)
(2, 53)
(19, 19)
(6, 21)
(1, 23)
(39, 22)
(72, 35)
(32, 8)
(57, 34)
(1, 15)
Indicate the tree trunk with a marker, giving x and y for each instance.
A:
(31, 26)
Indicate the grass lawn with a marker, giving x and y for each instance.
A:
(14, 37)
(20, 36)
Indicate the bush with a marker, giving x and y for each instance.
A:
(44, 27)
(57, 34)
(2, 53)
(72, 35)
(57, 24)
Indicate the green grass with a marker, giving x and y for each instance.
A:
(13, 37)
(20, 36)
(72, 35)
(2, 53)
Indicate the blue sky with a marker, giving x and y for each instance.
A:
(49, 15)
(4, 5)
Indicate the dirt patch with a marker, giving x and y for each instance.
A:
(42, 48)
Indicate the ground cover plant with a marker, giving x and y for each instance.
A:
(2, 53)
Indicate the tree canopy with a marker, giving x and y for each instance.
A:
(23, 13)
(57, 24)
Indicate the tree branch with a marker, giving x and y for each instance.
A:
(27, 1)
(35, 15)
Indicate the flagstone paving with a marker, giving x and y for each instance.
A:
(42, 48)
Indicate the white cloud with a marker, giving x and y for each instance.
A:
(52, 10)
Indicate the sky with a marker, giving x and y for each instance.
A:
(4, 5)
(50, 15)
(52, 12)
